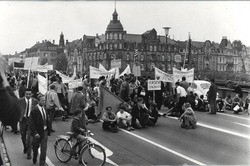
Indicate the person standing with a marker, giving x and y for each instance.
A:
(52, 101)
(211, 95)
(40, 129)
(184, 83)
(181, 97)
(27, 104)
(125, 89)
(158, 95)
(78, 101)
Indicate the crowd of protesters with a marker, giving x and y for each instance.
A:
(36, 112)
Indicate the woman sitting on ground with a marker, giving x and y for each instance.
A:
(188, 118)
(109, 120)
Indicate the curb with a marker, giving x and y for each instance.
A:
(3, 150)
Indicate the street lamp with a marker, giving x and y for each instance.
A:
(166, 30)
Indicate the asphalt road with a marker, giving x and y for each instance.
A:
(221, 139)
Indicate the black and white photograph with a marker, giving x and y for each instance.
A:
(124, 82)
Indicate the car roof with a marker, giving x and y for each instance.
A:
(201, 81)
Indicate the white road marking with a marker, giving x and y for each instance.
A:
(242, 124)
(216, 128)
(234, 116)
(48, 161)
(165, 148)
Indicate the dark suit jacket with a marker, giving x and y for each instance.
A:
(9, 109)
(22, 104)
(36, 125)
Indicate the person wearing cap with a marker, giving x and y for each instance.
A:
(109, 120)
(188, 118)
(124, 118)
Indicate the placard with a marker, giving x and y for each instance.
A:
(154, 85)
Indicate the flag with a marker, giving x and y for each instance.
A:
(136, 53)
(126, 71)
(42, 84)
(189, 49)
(107, 98)
(65, 79)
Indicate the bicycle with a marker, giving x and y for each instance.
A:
(89, 154)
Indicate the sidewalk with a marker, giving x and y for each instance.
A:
(14, 149)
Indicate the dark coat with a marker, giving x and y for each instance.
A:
(22, 104)
(78, 124)
(9, 109)
(36, 124)
(212, 92)
(124, 91)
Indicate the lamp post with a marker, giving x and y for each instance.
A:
(166, 30)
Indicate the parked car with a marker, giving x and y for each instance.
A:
(200, 87)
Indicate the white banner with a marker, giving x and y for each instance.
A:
(74, 83)
(31, 63)
(96, 73)
(154, 85)
(101, 67)
(42, 84)
(137, 71)
(126, 71)
(165, 77)
(44, 68)
(116, 63)
(65, 79)
(178, 74)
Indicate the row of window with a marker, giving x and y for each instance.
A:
(114, 36)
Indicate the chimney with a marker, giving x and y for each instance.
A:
(96, 34)
(53, 41)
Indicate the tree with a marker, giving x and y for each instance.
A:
(237, 44)
(61, 63)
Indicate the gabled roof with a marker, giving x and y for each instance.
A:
(132, 38)
(43, 45)
(196, 44)
(75, 43)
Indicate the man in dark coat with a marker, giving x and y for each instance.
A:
(124, 90)
(26, 105)
(40, 129)
(78, 100)
(211, 95)
(158, 95)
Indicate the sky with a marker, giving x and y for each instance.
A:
(23, 23)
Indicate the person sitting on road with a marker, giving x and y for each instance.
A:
(188, 118)
(237, 104)
(247, 101)
(109, 120)
(228, 103)
(199, 103)
(78, 127)
(124, 118)
(153, 113)
(90, 112)
(219, 103)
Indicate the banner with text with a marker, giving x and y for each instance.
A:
(74, 83)
(96, 73)
(65, 79)
(44, 68)
(178, 74)
(126, 71)
(154, 85)
(165, 77)
(31, 63)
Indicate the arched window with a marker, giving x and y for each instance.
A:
(120, 46)
(111, 36)
(120, 36)
(115, 36)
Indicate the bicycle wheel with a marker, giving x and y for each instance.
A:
(63, 150)
(93, 154)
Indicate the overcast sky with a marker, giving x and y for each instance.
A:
(22, 24)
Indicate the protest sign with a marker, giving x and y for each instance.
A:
(154, 85)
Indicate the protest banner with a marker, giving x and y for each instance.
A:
(101, 67)
(42, 84)
(165, 77)
(96, 73)
(75, 83)
(154, 85)
(31, 63)
(116, 63)
(137, 71)
(44, 68)
(65, 79)
(18, 65)
(178, 74)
